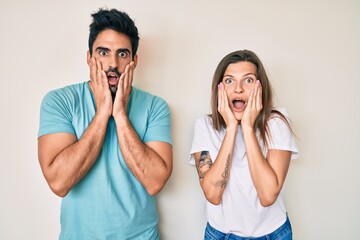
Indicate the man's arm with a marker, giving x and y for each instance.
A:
(64, 160)
(151, 163)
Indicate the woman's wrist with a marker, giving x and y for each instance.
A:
(248, 129)
(231, 128)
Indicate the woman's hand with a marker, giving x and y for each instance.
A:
(253, 107)
(224, 108)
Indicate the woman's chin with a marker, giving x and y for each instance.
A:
(238, 115)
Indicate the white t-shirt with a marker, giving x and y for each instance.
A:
(240, 211)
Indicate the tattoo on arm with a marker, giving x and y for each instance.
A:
(225, 175)
(204, 164)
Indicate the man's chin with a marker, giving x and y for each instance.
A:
(113, 90)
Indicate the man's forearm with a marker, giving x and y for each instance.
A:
(147, 166)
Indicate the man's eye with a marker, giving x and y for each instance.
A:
(103, 53)
(122, 54)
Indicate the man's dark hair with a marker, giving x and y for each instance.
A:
(115, 20)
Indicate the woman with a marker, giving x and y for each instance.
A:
(242, 153)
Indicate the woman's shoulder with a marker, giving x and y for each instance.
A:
(279, 114)
(203, 120)
(204, 124)
(279, 120)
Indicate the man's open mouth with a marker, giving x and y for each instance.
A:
(113, 79)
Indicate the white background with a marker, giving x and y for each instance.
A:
(311, 52)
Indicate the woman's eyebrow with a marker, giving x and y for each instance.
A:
(228, 75)
(250, 74)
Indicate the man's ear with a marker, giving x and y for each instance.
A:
(88, 58)
(135, 60)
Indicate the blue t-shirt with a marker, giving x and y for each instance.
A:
(109, 202)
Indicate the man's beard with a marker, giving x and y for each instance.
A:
(113, 88)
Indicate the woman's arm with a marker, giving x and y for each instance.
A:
(214, 177)
(268, 174)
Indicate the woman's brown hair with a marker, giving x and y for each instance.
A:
(267, 111)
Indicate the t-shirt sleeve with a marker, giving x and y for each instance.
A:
(282, 137)
(55, 114)
(199, 142)
(159, 124)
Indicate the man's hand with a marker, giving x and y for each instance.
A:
(100, 87)
(123, 91)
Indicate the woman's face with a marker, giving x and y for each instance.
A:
(239, 80)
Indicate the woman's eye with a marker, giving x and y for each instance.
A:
(228, 81)
(248, 80)
(122, 54)
(103, 53)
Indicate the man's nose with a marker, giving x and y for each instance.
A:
(113, 63)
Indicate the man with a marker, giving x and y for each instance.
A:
(104, 145)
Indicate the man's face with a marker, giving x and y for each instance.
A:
(113, 50)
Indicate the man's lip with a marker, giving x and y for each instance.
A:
(113, 80)
(113, 75)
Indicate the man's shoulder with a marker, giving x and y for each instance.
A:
(146, 97)
(139, 92)
(68, 91)
(76, 87)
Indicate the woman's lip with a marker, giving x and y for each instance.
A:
(238, 109)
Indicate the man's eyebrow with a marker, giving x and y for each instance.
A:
(123, 50)
(102, 48)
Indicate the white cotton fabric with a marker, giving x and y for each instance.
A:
(240, 211)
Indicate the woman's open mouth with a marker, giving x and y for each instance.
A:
(238, 105)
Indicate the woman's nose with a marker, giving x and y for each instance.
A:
(238, 88)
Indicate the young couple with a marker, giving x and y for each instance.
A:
(105, 146)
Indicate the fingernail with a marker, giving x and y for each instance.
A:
(258, 81)
(219, 84)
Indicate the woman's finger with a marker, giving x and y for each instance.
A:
(219, 97)
(259, 96)
(250, 103)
